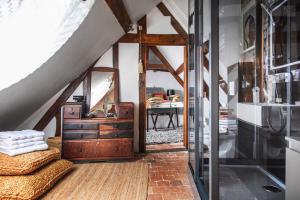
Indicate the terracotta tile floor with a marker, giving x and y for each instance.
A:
(165, 147)
(169, 176)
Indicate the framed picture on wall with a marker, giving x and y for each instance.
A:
(249, 25)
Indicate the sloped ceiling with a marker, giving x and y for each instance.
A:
(94, 36)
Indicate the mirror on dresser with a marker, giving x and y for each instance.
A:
(103, 92)
(98, 92)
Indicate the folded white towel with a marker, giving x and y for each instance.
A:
(17, 142)
(14, 152)
(18, 146)
(20, 135)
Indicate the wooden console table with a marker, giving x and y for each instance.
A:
(167, 108)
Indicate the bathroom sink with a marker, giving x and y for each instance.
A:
(293, 143)
(257, 113)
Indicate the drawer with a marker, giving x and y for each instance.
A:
(80, 126)
(125, 111)
(116, 134)
(80, 134)
(112, 148)
(116, 126)
(79, 149)
(72, 112)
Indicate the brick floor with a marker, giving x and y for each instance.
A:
(169, 176)
(165, 147)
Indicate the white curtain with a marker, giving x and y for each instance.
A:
(31, 31)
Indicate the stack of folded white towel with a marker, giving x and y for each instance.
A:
(14, 143)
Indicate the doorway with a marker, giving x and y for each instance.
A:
(165, 98)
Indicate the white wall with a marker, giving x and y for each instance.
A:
(129, 82)
(78, 91)
(162, 79)
(179, 9)
(31, 121)
(106, 60)
(157, 23)
(174, 54)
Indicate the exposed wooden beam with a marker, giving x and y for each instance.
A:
(87, 90)
(154, 39)
(142, 88)
(116, 66)
(206, 47)
(58, 124)
(55, 108)
(116, 55)
(129, 38)
(143, 22)
(163, 39)
(157, 67)
(176, 25)
(180, 69)
(120, 12)
(205, 63)
(167, 64)
(205, 90)
(104, 69)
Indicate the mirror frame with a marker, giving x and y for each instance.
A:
(87, 84)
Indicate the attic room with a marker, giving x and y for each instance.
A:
(149, 99)
(103, 85)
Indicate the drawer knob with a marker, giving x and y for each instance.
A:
(116, 125)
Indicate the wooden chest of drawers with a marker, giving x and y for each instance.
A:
(98, 149)
(97, 138)
(73, 111)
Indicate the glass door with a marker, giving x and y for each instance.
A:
(198, 97)
(258, 64)
(191, 88)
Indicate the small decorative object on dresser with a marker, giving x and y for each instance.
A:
(98, 138)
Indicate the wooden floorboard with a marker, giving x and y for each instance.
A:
(103, 181)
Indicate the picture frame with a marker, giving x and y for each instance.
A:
(248, 25)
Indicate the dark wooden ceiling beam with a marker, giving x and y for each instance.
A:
(206, 47)
(157, 67)
(142, 86)
(87, 90)
(129, 38)
(117, 76)
(168, 66)
(176, 25)
(154, 39)
(119, 10)
(163, 39)
(180, 69)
